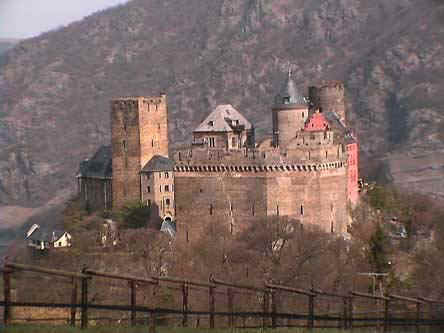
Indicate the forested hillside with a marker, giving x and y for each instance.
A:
(55, 89)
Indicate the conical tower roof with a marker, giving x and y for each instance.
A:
(289, 94)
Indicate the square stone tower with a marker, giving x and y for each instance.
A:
(139, 130)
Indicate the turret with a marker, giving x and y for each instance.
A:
(329, 97)
(289, 113)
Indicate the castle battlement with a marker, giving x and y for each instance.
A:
(223, 168)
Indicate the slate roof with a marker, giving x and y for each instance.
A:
(289, 94)
(224, 118)
(99, 166)
(46, 235)
(339, 127)
(159, 163)
(169, 228)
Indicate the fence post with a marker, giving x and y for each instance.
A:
(7, 296)
(430, 316)
(344, 313)
(230, 307)
(350, 312)
(265, 307)
(386, 315)
(273, 309)
(152, 328)
(84, 317)
(310, 312)
(73, 302)
(132, 285)
(418, 316)
(211, 305)
(184, 305)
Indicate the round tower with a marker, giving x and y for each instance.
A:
(329, 97)
(290, 112)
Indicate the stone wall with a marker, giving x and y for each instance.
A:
(158, 189)
(287, 121)
(220, 139)
(125, 143)
(353, 173)
(239, 198)
(95, 193)
(329, 97)
(153, 124)
(139, 130)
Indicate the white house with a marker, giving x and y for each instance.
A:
(46, 239)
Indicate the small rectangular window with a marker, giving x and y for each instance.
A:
(148, 189)
(167, 202)
(211, 142)
(160, 188)
(167, 175)
(167, 188)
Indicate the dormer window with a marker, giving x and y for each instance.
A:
(286, 100)
(211, 123)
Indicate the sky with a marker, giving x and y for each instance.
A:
(29, 18)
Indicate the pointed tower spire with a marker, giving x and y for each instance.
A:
(289, 94)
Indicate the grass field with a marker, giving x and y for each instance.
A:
(144, 329)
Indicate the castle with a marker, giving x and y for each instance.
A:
(307, 170)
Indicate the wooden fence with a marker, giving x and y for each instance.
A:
(235, 305)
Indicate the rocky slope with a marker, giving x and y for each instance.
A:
(55, 89)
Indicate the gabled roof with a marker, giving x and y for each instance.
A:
(159, 163)
(224, 118)
(99, 166)
(46, 235)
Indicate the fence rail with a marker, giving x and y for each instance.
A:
(267, 310)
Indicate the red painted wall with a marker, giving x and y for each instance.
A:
(317, 122)
(353, 193)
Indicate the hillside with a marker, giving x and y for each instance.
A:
(6, 44)
(55, 89)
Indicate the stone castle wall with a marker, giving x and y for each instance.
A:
(153, 124)
(139, 130)
(95, 193)
(125, 145)
(304, 193)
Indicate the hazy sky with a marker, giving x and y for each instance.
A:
(28, 18)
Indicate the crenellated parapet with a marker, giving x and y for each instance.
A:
(207, 168)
